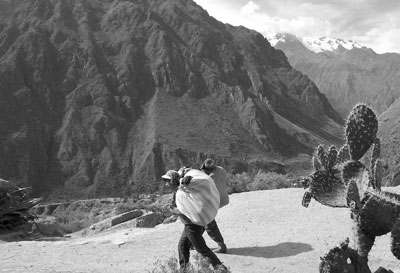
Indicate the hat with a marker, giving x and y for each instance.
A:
(168, 175)
(208, 164)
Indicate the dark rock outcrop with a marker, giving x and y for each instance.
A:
(15, 206)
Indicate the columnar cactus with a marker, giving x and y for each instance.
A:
(343, 258)
(330, 182)
(336, 260)
(349, 182)
(376, 214)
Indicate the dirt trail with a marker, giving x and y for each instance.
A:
(265, 231)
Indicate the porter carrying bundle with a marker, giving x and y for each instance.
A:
(199, 199)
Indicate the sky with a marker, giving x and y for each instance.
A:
(371, 23)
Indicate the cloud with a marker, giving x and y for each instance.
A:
(381, 33)
(249, 9)
(253, 17)
(369, 22)
(373, 23)
(381, 41)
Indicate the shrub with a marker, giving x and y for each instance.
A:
(73, 226)
(199, 265)
(269, 181)
(168, 266)
(261, 181)
(238, 182)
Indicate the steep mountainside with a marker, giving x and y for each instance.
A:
(389, 133)
(7, 8)
(346, 75)
(100, 97)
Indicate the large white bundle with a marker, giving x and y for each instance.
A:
(198, 201)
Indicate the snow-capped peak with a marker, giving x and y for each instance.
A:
(313, 44)
(328, 44)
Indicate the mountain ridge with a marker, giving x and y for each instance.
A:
(347, 76)
(357, 75)
(99, 98)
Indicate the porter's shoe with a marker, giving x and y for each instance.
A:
(221, 249)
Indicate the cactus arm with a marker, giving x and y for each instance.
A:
(316, 163)
(353, 197)
(395, 244)
(377, 175)
(363, 242)
(376, 166)
(306, 199)
(328, 189)
(322, 156)
(325, 185)
(356, 171)
(331, 158)
(340, 177)
(376, 151)
(361, 130)
(343, 154)
(341, 259)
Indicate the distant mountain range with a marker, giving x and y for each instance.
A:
(323, 44)
(346, 72)
(100, 98)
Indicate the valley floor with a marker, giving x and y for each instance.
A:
(265, 231)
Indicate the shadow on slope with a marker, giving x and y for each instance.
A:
(280, 250)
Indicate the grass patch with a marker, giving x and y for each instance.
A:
(198, 265)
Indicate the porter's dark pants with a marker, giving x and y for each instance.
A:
(193, 235)
(214, 233)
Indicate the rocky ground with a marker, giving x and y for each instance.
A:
(266, 231)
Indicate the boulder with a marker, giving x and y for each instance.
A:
(130, 219)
